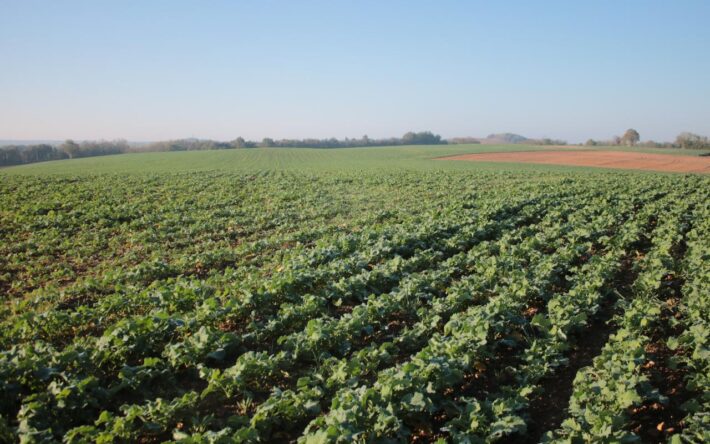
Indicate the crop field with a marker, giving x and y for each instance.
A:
(354, 295)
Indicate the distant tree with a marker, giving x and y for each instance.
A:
(408, 138)
(267, 142)
(591, 142)
(630, 137)
(692, 141)
(71, 148)
(37, 153)
(422, 138)
(239, 142)
(10, 155)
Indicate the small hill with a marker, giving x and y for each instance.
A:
(504, 138)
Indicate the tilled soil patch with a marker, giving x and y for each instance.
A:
(602, 159)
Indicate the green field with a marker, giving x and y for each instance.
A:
(367, 295)
(304, 159)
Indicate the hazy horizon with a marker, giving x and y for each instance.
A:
(168, 70)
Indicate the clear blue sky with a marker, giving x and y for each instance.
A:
(148, 70)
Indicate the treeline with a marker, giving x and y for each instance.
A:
(506, 138)
(546, 141)
(410, 138)
(631, 137)
(464, 140)
(692, 141)
(94, 148)
(21, 154)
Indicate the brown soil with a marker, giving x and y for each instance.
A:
(602, 159)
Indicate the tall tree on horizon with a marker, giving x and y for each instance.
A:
(630, 137)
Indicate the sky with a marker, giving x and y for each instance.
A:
(154, 70)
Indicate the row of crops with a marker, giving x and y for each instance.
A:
(333, 307)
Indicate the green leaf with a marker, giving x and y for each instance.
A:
(628, 398)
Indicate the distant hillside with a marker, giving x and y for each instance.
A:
(504, 138)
